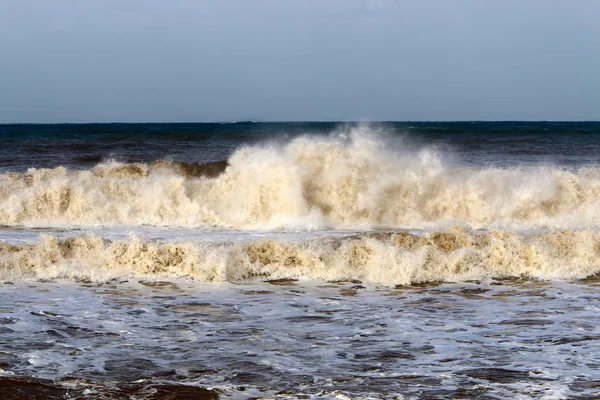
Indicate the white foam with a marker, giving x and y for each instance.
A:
(359, 180)
(396, 258)
(312, 339)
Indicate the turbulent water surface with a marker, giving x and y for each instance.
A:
(298, 260)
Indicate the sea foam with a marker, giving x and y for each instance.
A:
(388, 259)
(357, 180)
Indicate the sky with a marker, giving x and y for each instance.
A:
(298, 60)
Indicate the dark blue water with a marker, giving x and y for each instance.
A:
(476, 143)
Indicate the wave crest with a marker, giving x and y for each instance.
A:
(357, 180)
(380, 258)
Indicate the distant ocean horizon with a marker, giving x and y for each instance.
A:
(296, 122)
(300, 259)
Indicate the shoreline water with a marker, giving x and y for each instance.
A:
(291, 339)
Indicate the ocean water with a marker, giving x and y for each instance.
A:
(300, 260)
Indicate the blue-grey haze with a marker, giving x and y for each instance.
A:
(224, 60)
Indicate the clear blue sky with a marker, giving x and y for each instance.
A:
(226, 60)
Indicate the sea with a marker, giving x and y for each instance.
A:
(412, 260)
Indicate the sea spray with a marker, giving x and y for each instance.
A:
(353, 181)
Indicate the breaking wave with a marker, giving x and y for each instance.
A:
(356, 180)
(389, 259)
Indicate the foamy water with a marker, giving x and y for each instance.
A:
(285, 339)
(359, 180)
(356, 264)
(389, 259)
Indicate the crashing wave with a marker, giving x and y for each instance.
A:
(356, 181)
(398, 258)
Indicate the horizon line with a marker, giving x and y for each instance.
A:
(301, 122)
